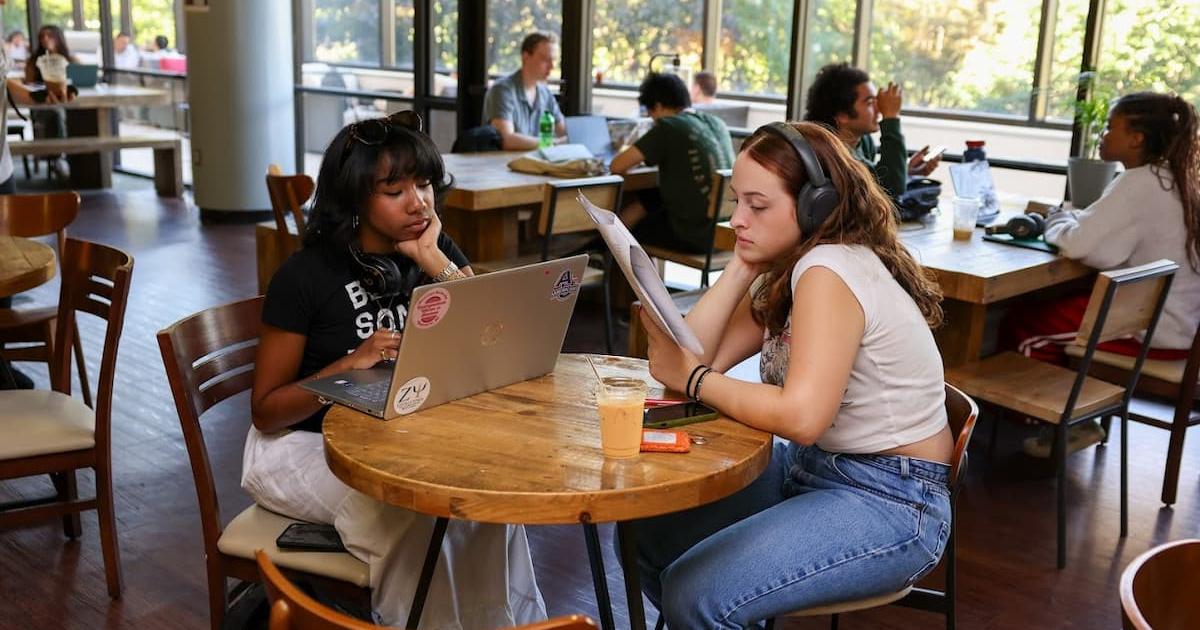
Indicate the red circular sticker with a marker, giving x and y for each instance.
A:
(431, 308)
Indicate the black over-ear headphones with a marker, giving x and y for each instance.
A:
(1023, 226)
(381, 275)
(816, 201)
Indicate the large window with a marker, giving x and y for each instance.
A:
(346, 31)
(510, 22)
(151, 18)
(751, 59)
(404, 16)
(13, 16)
(627, 34)
(831, 34)
(949, 54)
(1151, 45)
(445, 47)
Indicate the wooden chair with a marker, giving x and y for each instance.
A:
(561, 214)
(288, 195)
(49, 432)
(292, 609)
(1123, 302)
(961, 412)
(720, 208)
(1173, 380)
(1158, 589)
(209, 356)
(30, 216)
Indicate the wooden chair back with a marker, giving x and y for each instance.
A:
(38, 215)
(962, 412)
(1125, 302)
(95, 280)
(1158, 589)
(721, 203)
(292, 609)
(561, 212)
(209, 356)
(288, 195)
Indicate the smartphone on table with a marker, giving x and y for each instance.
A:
(677, 415)
(310, 537)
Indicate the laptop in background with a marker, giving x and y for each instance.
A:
(82, 75)
(467, 336)
(591, 132)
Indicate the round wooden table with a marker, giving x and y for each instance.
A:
(24, 264)
(530, 453)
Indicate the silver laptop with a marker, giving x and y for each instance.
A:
(467, 336)
(591, 132)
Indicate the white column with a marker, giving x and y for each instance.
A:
(240, 96)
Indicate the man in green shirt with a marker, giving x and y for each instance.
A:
(843, 98)
(687, 146)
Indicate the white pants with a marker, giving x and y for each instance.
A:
(484, 576)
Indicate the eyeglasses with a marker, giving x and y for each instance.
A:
(375, 131)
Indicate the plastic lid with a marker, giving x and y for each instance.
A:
(975, 144)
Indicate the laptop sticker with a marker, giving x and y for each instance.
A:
(566, 286)
(491, 334)
(431, 308)
(411, 395)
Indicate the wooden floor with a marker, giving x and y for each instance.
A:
(1006, 560)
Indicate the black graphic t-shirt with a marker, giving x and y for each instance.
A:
(318, 293)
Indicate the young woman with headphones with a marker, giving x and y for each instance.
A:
(855, 503)
(340, 303)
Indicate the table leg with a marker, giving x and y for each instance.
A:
(90, 170)
(599, 579)
(960, 340)
(483, 234)
(633, 583)
(431, 557)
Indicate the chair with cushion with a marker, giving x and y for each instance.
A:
(31, 216)
(293, 609)
(51, 433)
(1174, 380)
(961, 412)
(1123, 302)
(561, 215)
(1158, 589)
(720, 208)
(209, 356)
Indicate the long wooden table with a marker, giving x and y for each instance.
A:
(973, 275)
(482, 207)
(530, 453)
(90, 114)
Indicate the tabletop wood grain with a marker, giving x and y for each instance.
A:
(483, 181)
(530, 453)
(24, 264)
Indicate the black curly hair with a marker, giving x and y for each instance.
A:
(833, 92)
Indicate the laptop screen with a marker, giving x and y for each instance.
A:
(591, 132)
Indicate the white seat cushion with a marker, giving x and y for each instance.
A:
(1169, 371)
(40, 422)
(257, 528)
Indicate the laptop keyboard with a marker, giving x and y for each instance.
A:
(375, 392)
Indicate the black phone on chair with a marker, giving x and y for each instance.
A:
(310, 537)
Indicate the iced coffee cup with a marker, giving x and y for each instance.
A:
(620, 402)
(966, 212)
(53, 67)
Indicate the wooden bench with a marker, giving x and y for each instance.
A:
(168, 154)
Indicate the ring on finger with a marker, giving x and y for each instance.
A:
(383, 354)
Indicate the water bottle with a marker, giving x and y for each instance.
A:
(546, 130)
(974, 152)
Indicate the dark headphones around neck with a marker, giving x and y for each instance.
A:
(818, 198)
(381, 277)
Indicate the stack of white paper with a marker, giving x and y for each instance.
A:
(642, 276)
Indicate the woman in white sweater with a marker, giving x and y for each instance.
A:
(1149, 212)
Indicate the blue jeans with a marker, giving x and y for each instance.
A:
(815, 528)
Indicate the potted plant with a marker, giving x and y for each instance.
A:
(1087, 175)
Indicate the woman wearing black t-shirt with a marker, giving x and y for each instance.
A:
(325, 312)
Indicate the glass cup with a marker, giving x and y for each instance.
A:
(966, 212)
(53, 67)
(620, 402)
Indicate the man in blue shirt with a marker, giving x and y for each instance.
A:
(514, 104)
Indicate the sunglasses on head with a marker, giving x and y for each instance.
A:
(375, 131)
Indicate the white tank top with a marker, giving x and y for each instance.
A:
(895, 395)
